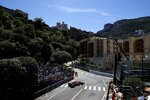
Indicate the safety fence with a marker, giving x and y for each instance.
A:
(51, 87)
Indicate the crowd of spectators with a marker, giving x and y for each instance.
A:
(52, 73)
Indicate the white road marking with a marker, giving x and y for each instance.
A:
(90, 87)
(104, 89)
(66, 85)
(104, 96)
(46, 94)
(85, 87)
(105, 84)
(62, 85)
(92, 75)
(99, 88)
(56, 94)
(94, 88)
(76, 95)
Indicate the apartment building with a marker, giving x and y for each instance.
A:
(101, 51)
(98, 50)
(137, 49)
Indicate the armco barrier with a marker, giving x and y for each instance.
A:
(50, 87)
(85, 69)
(101, 73)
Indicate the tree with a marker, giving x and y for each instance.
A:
(12, 49)
(38, 24)
(18, 78)
(20, 14)
(8, 24)
(57, 45)
(4, 15)
(134, 82)
(137, 87)
(17, 22)
(5, 34)
(19, 29)
(35, 46)
(31, 66)
(29, 31)
(21, 38)
(1, 24)
(12, 78)
(61, 57)
(47, 51)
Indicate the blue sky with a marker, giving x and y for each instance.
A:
(89, 15)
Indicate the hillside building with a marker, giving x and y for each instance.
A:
(62, 26)
(98, 51)
(101, 51)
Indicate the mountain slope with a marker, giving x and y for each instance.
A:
(126, 27)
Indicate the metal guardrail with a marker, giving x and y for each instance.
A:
(50, 87)
(101, 73)
(86, 69)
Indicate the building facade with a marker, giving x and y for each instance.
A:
(101, 51)
(62, 26)
(98, 51)
(137, 49)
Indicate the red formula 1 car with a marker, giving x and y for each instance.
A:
(75, 83)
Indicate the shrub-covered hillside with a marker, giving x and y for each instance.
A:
(20, 36)
(126, 27)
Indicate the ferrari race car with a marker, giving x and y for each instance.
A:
(75, 83)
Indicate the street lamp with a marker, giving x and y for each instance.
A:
(142, 65)
(142, 61)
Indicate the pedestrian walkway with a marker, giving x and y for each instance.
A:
(95, 88)
(90, 74)
(90, 87)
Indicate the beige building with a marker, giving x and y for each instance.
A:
(97, 47)
(98, 51)
(62, 26)
(101, 51)
(137, 49)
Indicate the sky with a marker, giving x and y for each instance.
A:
(89, 15)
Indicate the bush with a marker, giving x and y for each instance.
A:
(31, 65)
(134, 82)
(18, 77)
(61, 57)
(12, 78)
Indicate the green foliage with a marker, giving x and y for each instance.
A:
(17, 22)
(31, 65)
(38, 24)
(47, 51)
(19, 29)
(4, 15)
(1, 24)
(5, 34)
(35, 46)
(78, 34)
(134, 82)
(18, 77)
(61, 57)
(12, 78)
(8, 24)
(57, 45)
(20, 14)
(126, 28)
(12, 49)
(11, 71)
(29, 31)
(22, 37)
